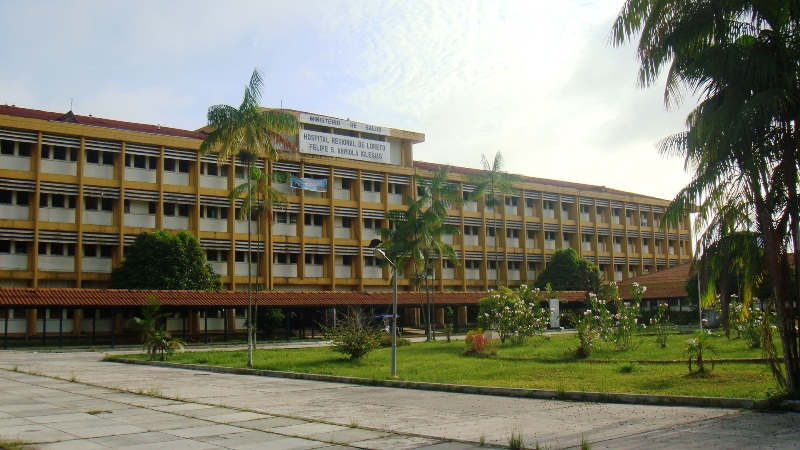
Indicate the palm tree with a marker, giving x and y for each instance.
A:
(259, 197)
(493, 185)
(415, 236)
(248, 131)
(741, 141)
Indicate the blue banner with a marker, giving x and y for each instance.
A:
(310, 184)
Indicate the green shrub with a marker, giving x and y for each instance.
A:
(386, 341)
(698, 348)
(355, 335)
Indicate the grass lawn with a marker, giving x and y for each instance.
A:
(540, 364)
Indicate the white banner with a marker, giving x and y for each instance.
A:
(326, 144)
(333, 122)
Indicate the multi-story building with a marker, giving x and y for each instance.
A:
(75, 190)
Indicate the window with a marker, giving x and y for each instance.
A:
(7, 147)
(511, 201)
(371, 186)
(549, 235)
(89, 250)
(549, 205)
(491, 265)
(313, 220)
(151, 208)
(183, 210)
(372, 224)
(314, 259)
(643, 219)
(56, 249)
(169, 165)
(565, 207)
(241, 257)
(490, 231)
(585, 213)
(512, 233)
(513, 265)
(5, 246)
(141, 161)
(395, 188)
(105, 251)
(6, 197)
(285, 258)
(471, 230)
(169, 209)
(98, 204)
(566, 239)
(370, 261)
(217, 255)
(347, 260)
(447, 264)
(615, 213)
(21, 248)
(285, 217)
(345, 183)
(472, 264)
(93, 156)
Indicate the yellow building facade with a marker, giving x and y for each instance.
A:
(75, 190)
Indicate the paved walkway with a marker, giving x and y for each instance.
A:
(95, 404)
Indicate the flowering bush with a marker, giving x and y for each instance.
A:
(586, 331)
(477, 344)
(660, 323)
(750, 324)
(514, 314)
(618, 321)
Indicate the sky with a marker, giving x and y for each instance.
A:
(534, 80)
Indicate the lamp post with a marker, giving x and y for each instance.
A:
(380, 254)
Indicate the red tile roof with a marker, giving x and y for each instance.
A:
(664, 284)
(64, 297)
(563, 184)
(98, 122)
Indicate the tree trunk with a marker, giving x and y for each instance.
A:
(777, 270)
(250, 317)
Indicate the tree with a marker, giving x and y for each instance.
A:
(567, 271)
(259, 198)
(160, 260)
(741, 141)
(248, 132)
(493, 185)
(414, 238)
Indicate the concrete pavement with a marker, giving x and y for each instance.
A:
(97, 404)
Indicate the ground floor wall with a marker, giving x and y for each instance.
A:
(55, 326)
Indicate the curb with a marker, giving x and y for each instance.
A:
(577, 396)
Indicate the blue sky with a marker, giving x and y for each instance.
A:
(535, 80)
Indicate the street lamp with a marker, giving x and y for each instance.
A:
(380, 254)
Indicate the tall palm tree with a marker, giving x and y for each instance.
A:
(415, 237)
(741, 141)
(248, 131)
(259, 198)
(493, 185)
